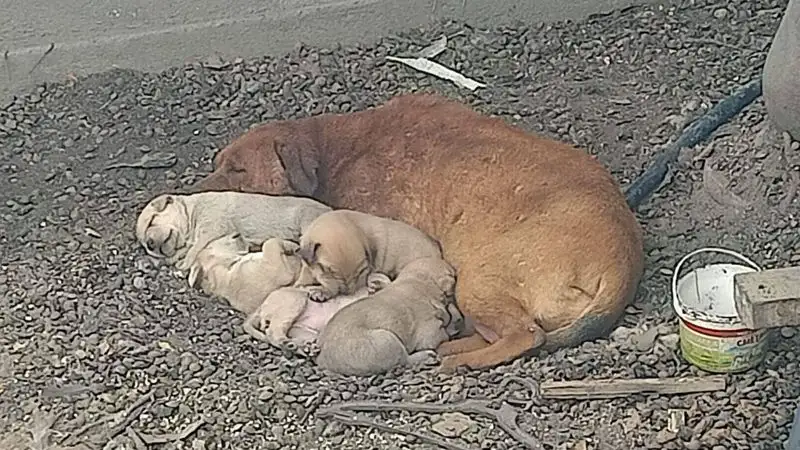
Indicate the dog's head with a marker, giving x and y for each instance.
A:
(278, 159)
(223, 251)
(336, 254)
(162, 226)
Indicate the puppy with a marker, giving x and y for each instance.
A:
(225, 268)
(399, 325)
(291, 322)
(339, 248)
(547, 250)
(177, 227)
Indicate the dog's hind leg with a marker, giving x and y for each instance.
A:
(515, 338)
(462, 345)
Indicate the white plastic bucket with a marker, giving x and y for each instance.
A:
(712, 337)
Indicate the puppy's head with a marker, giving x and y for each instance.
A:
(434, 270)
(336, 254)
(223, 251)
(162, 226)
(278, 158)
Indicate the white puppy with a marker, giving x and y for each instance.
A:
(291, 321)
(178, 226)
(225, 268)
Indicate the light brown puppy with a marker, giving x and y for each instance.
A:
(402, 324)
(340, 248)
(290, 321)
(547, 251)
(225, 268)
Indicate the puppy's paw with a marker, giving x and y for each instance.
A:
(318, 294)
(376, 282)
(423, 358)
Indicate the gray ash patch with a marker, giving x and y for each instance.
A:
(92, 325)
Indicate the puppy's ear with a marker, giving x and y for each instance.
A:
(160, 203)
(289, 247)
(308, 252)
(300, 166)
(195, 273)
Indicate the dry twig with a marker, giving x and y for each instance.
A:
(171, 437)
(610, 388)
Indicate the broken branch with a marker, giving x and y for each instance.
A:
(505, 416)
(610, 388)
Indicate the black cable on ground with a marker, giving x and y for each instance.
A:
(652, 178)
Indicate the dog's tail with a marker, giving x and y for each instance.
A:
(596, 321)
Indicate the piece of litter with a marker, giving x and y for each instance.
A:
(438, 70)
(434, 49)
(157, 160)
(92, 233)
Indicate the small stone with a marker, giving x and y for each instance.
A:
(721, 13)
(453, 425)
(139, 283)
(788, 332)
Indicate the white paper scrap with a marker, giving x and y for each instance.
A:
(438, 70)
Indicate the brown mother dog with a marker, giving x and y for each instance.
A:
(547, 251)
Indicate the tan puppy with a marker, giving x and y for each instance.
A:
(339, 248)
(225, 268)
(399, 325)
(177, 227)
(290, 321)
(547, 251)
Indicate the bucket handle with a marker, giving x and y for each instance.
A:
(683, 260)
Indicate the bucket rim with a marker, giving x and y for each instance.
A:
(726, 323)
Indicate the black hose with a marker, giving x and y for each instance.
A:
(647, 183)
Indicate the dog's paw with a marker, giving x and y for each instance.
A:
(318, 295)
(449, 364)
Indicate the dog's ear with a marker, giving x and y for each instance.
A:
(308, 252)
(195, 273)
(300, 167)
(160, 203)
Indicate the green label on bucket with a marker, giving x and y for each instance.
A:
(722, 354)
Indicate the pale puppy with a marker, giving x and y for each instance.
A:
(400, 325)
(290, 321)
(340, 248)
(177, 226)
(225, 268)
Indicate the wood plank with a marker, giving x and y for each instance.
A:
(611, 388)
(768, 299)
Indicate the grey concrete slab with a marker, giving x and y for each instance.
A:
(150, 35)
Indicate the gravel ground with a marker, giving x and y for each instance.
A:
(91, 325)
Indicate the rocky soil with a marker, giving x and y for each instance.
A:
(95, 332)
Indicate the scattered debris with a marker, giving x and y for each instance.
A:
(610, 388)
(157, 160)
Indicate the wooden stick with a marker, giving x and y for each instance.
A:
(610, 388)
